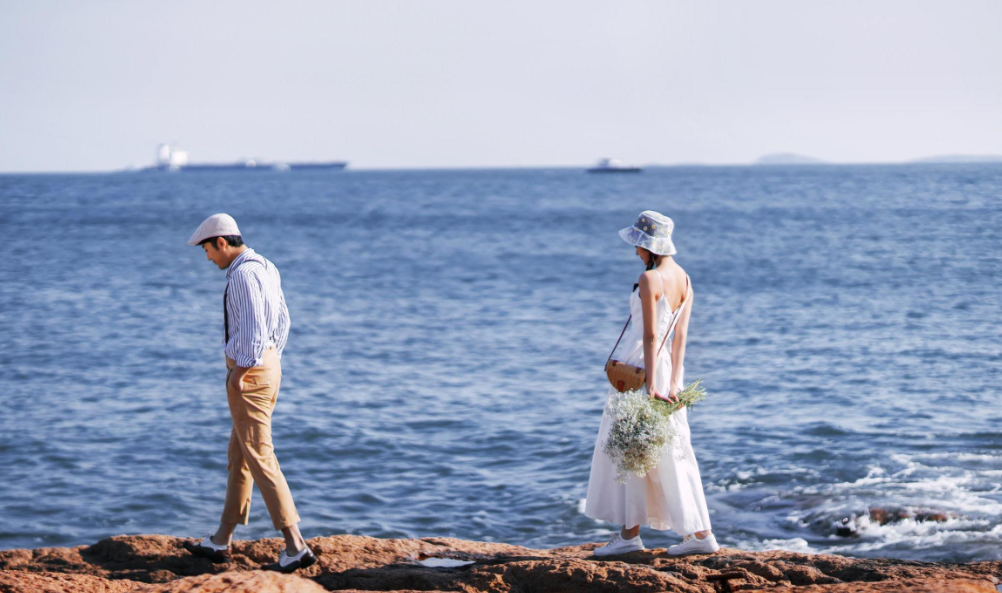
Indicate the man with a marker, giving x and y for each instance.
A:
(256, 327)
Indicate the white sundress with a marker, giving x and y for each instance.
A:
(670, 496)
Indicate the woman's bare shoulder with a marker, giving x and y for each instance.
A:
(648, 277)
(686, 282)
(681, 274)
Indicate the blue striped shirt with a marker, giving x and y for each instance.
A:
(255, 305)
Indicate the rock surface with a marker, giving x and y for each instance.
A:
(158, 564)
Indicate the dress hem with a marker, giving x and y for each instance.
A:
(652, 523)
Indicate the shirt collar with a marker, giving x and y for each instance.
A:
(239, 260)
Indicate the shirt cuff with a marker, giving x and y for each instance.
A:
(248, 361)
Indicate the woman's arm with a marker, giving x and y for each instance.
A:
(678, 345)
(648, 305)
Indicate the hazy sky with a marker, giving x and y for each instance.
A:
(392, 83)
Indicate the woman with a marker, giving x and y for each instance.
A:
(670, 496)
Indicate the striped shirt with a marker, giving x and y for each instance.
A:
(255, 306)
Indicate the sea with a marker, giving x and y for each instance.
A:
(444, 371)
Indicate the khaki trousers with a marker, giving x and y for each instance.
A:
(251, 455)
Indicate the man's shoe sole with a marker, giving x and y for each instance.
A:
(214, 556)
(305, 562)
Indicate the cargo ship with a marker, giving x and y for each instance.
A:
(175, 160)
(613, 166)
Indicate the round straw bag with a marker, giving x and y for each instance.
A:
(624, 377)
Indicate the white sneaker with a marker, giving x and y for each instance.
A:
(693, 545)
(618, 545)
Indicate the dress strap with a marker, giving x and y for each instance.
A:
(685, 301)
(670, 325)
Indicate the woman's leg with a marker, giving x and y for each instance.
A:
(630, 533)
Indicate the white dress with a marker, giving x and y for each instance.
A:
(670, 496)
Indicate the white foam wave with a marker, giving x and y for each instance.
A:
(965, 487)
(922, 535)
(952, 488)
(796, 544)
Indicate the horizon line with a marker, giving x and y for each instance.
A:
(948, 159)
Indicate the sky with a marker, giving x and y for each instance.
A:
(96, 86)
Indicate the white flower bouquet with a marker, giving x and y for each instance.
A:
(641, 428)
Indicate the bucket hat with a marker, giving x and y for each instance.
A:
(652, 231)
(217, 225)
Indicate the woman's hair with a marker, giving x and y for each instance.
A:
(653, 259)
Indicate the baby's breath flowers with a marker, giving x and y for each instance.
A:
(641, 428)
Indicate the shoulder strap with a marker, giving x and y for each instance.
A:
(685, 293)
(621, 334)
(678, 314)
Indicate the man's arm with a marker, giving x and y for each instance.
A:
(284, 322)
(246, 345)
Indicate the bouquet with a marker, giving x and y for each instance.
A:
(641, 428)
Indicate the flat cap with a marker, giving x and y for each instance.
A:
(217, 225)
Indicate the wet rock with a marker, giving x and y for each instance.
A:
(158, 564)
(852, 525)
(885, 516)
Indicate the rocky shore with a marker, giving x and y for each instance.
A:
(158, 564)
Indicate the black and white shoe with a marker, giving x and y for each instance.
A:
(289, 564)
(207, 549)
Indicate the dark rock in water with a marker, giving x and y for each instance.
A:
(159, 564)
(885, 516)
(849, 526)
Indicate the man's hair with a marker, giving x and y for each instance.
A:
(233, 240)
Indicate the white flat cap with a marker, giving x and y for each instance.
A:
(217, 225)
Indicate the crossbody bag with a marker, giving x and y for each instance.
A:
(626, 377)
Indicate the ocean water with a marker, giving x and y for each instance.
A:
(444, 371)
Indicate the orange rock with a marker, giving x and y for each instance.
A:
(158, 564)
(16, 581)
(236, 582)
(886, 587)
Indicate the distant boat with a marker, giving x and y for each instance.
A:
(252, 165)
(311, 166)
(174, 160)
(614, 166)
(249, 165)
